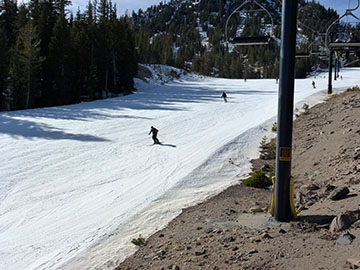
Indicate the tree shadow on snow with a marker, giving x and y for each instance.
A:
(31, 130)
(171, 97)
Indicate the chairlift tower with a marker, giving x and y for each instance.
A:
(339, 46)
(282, 211)
(250, 40)
(282, 208)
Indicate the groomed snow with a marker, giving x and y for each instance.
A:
(78, 182)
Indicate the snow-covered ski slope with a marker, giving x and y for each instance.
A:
(78, 182)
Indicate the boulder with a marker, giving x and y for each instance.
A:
(354, 262)
(339, 193)
(345, 239)
(356, 153)
(340, 222)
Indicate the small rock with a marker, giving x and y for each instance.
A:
(256, 240)
(310, 187)
(309, 203)
(253, 251)
(339, 193)
(209, 230)
(354, 262)
(228, 239)
(161, 235)
(347, 131)
(200, 251)
(266, 236)
(282, 230)
(345, 239)
(161, 252)
(340, 222)
(256, 210)
(265, 168)
(329, 187)
(302, 207)
(356, 154)
(173, 267)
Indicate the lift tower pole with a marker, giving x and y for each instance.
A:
(329, 90)
(282, 211)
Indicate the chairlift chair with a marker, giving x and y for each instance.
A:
(302, 55)
(243, 41)
(316, 52)
(345, 45)
(249, 40)
(348, 12)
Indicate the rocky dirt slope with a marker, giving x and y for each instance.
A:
(232, 230)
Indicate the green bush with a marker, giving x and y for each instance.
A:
(267, 149)
(355, 88)
(140, 241)
(306, 110)
(258, 180)
(274, 127)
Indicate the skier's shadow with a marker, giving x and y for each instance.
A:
(166, 144)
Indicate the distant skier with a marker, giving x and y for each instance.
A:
(277, 79)
(245, 79)
(154, 132)
(224, 96)
(313, 84)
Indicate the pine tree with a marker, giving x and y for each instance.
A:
(59, 63)
(8, 14)
(26, 66)
(4, 69)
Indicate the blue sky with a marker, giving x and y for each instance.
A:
(339, 5)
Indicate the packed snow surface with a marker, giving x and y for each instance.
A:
(78, 182)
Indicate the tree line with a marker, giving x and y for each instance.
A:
(191, 35)
(50, 57)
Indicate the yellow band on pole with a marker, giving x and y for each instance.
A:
(273, 197)
(291, 198)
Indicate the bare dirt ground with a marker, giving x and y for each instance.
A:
(233, 231)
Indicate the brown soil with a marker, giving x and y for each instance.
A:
(233, 231)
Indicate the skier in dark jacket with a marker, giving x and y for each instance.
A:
(154, 132)
(224, 96)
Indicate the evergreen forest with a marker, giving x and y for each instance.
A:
(50, 57)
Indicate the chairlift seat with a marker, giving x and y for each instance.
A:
(316, 52)
(301, 55)
(245, 41)
(345, 44)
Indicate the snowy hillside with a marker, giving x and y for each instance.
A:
(79, 182)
